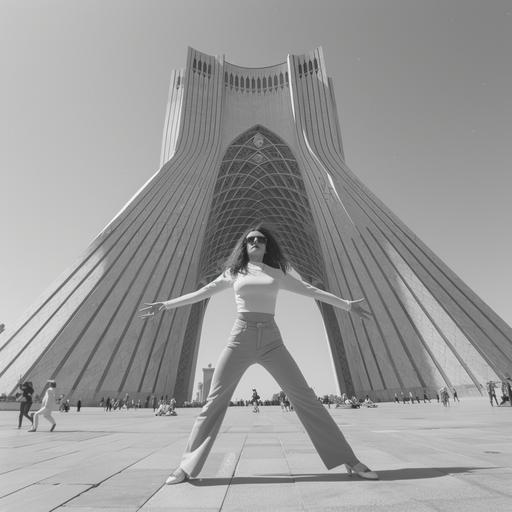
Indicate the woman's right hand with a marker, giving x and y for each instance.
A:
(151, 309)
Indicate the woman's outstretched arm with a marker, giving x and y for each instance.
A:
(292, 284)
(222, 282)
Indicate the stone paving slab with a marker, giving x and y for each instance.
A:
(429, 458)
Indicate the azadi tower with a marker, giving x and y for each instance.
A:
(242, 145)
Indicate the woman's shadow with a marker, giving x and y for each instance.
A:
(384, 475)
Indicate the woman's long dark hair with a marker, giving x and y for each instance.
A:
(274, 257)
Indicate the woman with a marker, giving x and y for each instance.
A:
(27, 390)
(257, 270)
(47, 406)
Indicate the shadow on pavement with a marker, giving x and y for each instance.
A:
(386, 475)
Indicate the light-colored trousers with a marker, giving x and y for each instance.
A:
(255, 338)
(46, 413)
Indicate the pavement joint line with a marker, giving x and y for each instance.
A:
(228, 486)
(35, 464)
(70, 499)
(476, 483)
(294, 481)
(93, 486)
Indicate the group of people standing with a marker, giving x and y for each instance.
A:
(442, 396)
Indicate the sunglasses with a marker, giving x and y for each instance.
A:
(256, 240)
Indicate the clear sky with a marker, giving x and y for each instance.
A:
(423, 90)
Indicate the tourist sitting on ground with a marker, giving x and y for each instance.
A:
(352, 403)
(355, 402)
(368, 402)
(163, 409)
(166, 408)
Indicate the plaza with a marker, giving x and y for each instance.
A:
(429, 458)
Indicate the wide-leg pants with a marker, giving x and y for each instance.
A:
(255, 338)
(46, 413)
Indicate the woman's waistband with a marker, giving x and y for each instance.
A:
(256, 318)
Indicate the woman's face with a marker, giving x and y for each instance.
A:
(256, 245)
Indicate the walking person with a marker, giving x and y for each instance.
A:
(48, 406)
(256, 270)
(255, 401)
(509, 390)
(491, 390)
(27, 390)
(455, 395)
(445, 397)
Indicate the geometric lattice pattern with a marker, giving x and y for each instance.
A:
(259, 180)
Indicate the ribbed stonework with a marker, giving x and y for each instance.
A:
(243, 145)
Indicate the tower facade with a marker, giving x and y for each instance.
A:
(243, 145)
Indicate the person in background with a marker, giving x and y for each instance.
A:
(255, 401)
(27, 390)
(48, 406)
(491, 391)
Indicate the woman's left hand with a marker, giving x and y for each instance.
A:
(357, 308)
(151, 309)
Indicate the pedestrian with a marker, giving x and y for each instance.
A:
(509, 390)
(48, 406)
(445, 396)
(455, 395)
(27, 390)
(396, 398)
(425, 397)
(504, 393)
(78, 405)
(256, 270)
(255, 400)
(491, 391)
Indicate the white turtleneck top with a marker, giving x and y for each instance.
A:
(256, 291)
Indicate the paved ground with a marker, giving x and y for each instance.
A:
(429, 458)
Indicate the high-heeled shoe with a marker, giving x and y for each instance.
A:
(177, 477)
(361, 471)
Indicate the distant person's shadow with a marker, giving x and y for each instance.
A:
(384, 475)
